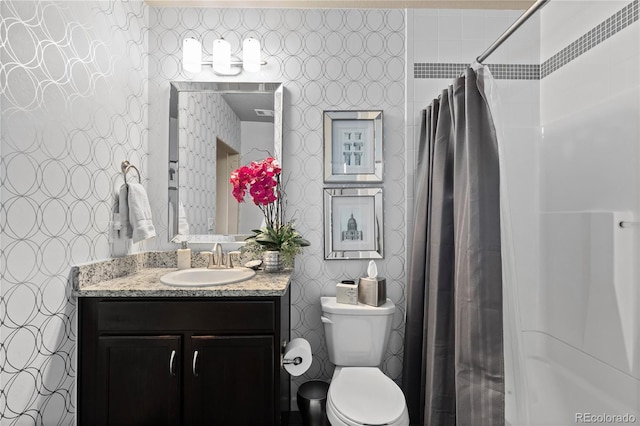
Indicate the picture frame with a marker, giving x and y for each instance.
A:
(352, 146)
(353, 223)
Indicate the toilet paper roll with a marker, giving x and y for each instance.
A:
(297, 356)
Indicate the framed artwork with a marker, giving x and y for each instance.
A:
(353, 223)
(352, 146)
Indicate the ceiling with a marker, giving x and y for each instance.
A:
(245, 105)
(346, 4)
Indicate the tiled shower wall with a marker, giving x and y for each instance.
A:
(454, 38)
(327, 59)
(440, 45)
(73, 89)
(589, 162)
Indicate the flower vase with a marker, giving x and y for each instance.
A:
(272, 261)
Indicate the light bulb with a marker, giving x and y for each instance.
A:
(251, 55)
(221, 56)
(191, 55)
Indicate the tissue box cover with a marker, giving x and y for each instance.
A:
(372, 291)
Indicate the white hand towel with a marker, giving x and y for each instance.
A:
(126, 231)
(183, 225)
(140, 213)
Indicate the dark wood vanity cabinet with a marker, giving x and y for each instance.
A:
(183, 361)
(236, 370)
(129, 367)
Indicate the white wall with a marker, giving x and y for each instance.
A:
(74, 105)
(255, 137)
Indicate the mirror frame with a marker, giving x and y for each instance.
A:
(177, 87)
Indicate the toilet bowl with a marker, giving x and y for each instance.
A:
(360, 393)
(365, 396)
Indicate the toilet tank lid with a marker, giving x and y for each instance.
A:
(330, 305)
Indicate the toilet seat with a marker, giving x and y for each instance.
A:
(365, 396)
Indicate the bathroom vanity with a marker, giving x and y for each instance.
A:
(151, 354)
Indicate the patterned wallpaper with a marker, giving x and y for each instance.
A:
(203, 118)
(76, 102)
(327, 59)
(197, 169)
(73, 92)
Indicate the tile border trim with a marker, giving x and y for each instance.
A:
(499, 71)
(607, 28)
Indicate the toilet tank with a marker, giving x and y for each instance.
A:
(356, 335)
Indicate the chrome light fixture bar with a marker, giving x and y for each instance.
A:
(221, 61)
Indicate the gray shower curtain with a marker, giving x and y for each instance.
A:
(453, 361)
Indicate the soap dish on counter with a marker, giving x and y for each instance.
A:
(253, 264)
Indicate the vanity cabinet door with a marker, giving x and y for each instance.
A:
(138, 380)
(232, 380)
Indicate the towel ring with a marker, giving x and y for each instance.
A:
(126, 165)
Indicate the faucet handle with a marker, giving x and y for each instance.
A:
(217, 259)
(209, 256)
(231, 255)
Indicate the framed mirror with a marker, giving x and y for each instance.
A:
(213, 129)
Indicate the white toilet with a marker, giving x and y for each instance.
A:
(359, 393)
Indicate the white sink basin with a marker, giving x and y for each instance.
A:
(203, 277)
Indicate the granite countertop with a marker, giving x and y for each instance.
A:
(139, 276)
(146, 283)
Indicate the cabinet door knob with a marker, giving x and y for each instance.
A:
(195, 363)
(172, 370)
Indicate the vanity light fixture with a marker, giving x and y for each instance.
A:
(221, 61)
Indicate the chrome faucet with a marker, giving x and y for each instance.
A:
(218, 255)
(219, 259)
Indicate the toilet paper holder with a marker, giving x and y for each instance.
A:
(295, 361)
(296, 356)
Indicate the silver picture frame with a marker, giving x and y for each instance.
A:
(352, 146)
(353, 223)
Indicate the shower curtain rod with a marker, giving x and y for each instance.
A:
(505, 35)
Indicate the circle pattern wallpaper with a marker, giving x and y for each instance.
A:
(85, 85)
(73, 92)
(347, 59)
